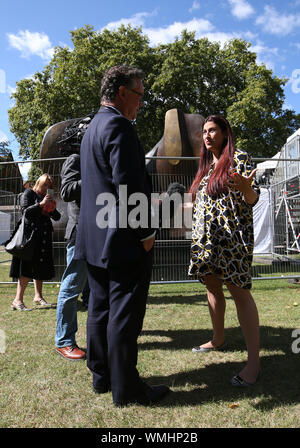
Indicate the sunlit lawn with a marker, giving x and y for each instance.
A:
(41, 389)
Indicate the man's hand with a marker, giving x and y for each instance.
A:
(148, 244)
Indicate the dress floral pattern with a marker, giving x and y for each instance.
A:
(222, 231)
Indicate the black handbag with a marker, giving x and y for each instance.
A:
(23, 240)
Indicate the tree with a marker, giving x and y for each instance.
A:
(201, 77)
(4, 149)
(260, 123)
(194, 75)
(69, 85)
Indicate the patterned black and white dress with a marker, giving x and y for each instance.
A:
(222, 231)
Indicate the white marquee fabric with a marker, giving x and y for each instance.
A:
(263, 223)
(4, 227)
(268, 164)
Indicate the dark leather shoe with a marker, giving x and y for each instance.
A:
(102, 389)
(71, 352)
(156, 393)
(149, 395)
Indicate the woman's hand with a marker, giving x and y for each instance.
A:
(46, 200)
(48, 204)
(51, 206)
(243, 184)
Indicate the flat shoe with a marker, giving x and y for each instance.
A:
(237, 381)
(41, 302)
(20, 307)
(204, 349)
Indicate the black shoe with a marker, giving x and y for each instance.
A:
(102, 389)
(156, 393)
(149, 395)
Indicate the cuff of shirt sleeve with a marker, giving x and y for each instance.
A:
(148, 237)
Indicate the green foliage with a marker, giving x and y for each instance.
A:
(260, 123)
(4, 149)
(194, 75)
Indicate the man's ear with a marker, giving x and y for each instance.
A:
(122, 92)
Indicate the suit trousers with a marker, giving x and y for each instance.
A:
(116, 311)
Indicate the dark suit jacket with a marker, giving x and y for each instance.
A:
(111, 155)
(70, 191)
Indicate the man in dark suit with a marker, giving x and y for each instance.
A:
(119, 257)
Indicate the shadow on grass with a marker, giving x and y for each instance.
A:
(50, 306)
(278, 385)
(271, 338)
(180, 299)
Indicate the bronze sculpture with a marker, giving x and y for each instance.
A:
(182, 138)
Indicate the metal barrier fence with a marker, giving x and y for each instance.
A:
(172, 248)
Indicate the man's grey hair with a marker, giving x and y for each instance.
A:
(119, 75)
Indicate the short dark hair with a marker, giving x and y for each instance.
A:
(119, 75)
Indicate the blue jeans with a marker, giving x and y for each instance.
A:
(72, 284)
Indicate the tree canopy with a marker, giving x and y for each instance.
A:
(194, 75)
(4, 149)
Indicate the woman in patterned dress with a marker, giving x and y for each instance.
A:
(224, 193)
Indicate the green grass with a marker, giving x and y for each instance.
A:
(40, 389)
(5, 262)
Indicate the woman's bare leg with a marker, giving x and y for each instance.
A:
(217, 306)
(21, 286)
(249, 321)
(38, 290)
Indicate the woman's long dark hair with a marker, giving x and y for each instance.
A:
(218, 180)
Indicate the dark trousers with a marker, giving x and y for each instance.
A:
(117, 306)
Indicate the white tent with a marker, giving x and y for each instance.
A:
(4, 227)
(268, 164)
(263, 223)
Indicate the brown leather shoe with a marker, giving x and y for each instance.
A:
(71, 352)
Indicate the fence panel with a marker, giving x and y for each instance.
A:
(172, 248)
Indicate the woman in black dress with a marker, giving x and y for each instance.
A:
(39, 208)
